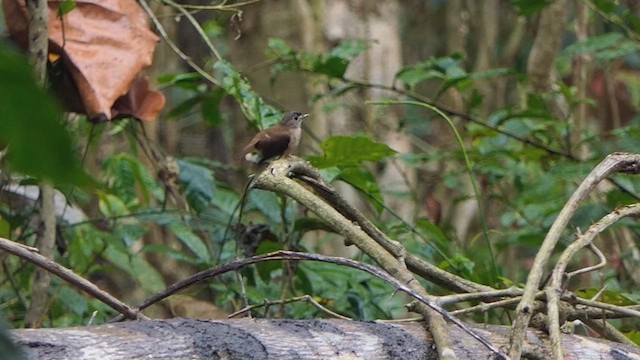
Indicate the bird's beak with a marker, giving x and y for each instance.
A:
(304, 116)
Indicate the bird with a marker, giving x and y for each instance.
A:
(279, 140)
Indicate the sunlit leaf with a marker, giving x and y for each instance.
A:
(350, 49)
(254, 108)
(66, 6)
(334, 63)
(349, 151)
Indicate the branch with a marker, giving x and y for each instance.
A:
(555, 288)
(175, 48)
(306, 298)
(282, 339)
(292, 255)
(306, 173)
(276, 178)
(617, 162)
(68, 275)
(38, 49)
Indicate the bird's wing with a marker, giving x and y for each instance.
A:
(274, 143)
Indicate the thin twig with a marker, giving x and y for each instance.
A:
(628, 311)
(221, 7)
(483, 295)
(555, 288)
(600, 265)
(175, 47)
(196, 26)
(276, 178)
(68, 275)
(292, 255)
(306, 298)
(310, 176)
(617, 162)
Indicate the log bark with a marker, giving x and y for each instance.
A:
(285, 339)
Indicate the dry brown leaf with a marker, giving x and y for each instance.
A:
(104, 45)
(140, 102)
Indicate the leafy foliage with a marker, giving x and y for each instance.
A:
(334, 63)
(350, 151)
(519, 153)
(257, 111)
(40, 144)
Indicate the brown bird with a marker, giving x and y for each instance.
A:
(277, 141)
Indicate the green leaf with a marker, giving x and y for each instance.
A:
(604, 48)
(305, 224)
(65, 7)
(130, 179)
(350, 151)
(530, 7)
(192, 241)
(198, 184)
(265, 268)
(185, 106)
(111, 205)
(607, 296)
(211, 107)
(5, 228)
(188, 81)
(38, 141)
(279, 47)
(447, 68)
(135, 266)
(633, 336)
(350, 49)
(254, 108)
(606, 6)
(73, 300)
(267, 203)
(334, 63)
(594, 44)
(148, 277)
(329, 174)
(412, 76)
(169, 251)
(364, 181)
(433, 232)
(332, 66)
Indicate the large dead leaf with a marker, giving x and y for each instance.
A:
(104, 45)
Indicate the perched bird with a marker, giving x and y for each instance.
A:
(277, 141)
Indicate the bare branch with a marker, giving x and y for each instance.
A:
(292, 255)
(617, 162)
(555, 289)
(68, 275)
(305, 298)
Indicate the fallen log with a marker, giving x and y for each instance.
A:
(286, 339)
